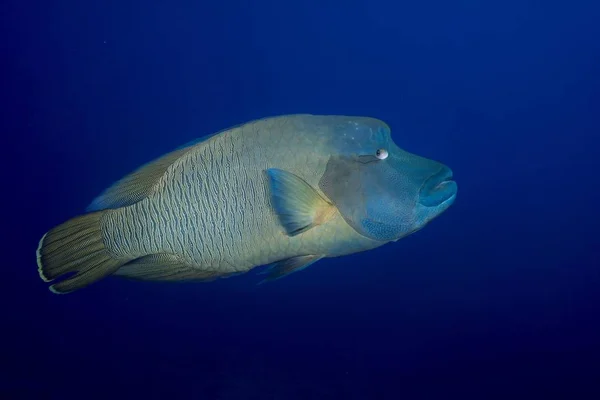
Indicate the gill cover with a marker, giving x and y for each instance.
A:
(367, 192)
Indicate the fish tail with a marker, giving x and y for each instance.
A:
(77, 248)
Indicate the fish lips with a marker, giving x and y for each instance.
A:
(438, 189)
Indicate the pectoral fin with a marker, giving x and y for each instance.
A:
(297, 204)
(285, 267)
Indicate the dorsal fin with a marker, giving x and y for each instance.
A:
(140, 183)
(137, 185)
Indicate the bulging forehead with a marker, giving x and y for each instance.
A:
(351, 135)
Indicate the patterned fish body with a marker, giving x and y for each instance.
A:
(285, 191)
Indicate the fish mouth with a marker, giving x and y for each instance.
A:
(438, 189)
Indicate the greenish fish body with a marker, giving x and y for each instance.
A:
(282, 191)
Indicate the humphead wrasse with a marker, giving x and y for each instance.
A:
(283, 191)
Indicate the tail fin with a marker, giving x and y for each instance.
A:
(77, 247)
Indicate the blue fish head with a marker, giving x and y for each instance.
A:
(382, 191)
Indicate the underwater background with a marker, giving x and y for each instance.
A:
(497, 298)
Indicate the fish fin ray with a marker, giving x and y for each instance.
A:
(297, 204)
(137, 185)
(75, 248)
(282, 268)
(163, 267)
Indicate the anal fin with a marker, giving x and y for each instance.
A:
(285, 267)
(163, 267)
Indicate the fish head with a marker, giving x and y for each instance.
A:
(383, 192)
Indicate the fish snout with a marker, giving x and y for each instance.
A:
(438, 188)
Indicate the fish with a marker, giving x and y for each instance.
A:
(281, 192)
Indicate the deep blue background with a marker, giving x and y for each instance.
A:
(498, 298)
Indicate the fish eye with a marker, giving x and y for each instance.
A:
(382, 154)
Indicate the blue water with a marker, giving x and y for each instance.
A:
(497, 298)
